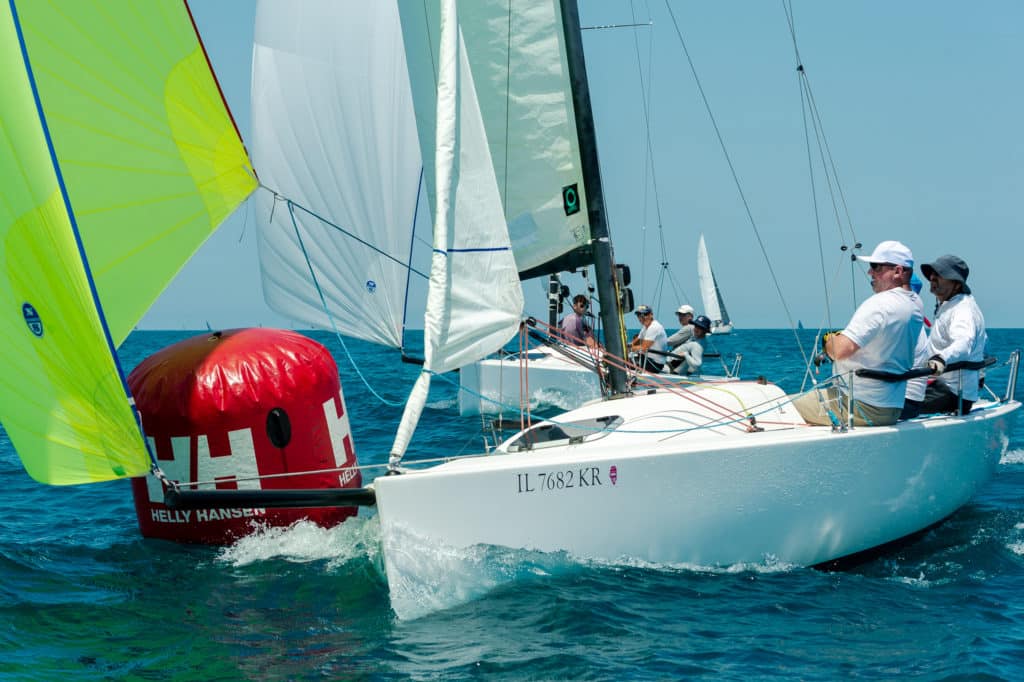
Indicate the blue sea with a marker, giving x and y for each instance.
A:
(84, 597)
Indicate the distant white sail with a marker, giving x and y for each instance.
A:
(714, 306)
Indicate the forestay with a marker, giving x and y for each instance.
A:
(474, 300)
(518, 61)
(334, 132)
(118, 159)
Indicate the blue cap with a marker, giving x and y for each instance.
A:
(703, 322)
(643, 309)
(916, 283)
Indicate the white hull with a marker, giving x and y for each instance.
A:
(721, 329)
(551, 379)
(711, 497)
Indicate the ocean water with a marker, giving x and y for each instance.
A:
(84, 597)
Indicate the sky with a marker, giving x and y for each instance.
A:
(921, 103)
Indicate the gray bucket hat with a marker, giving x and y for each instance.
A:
(948, 267)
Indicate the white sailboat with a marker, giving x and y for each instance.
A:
(702, 476)
(710, 294)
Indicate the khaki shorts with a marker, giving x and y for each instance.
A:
(815, 410)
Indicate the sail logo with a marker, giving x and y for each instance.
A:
(32, 319)
(371, 286)
(571, 199)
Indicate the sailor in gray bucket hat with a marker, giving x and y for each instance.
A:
(948, 267)
(958, 333)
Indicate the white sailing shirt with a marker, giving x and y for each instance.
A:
(886, 328)
(958, 333)
(655, 333)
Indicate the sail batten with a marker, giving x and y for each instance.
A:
(118, 160)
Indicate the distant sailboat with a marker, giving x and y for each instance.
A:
(714, 306)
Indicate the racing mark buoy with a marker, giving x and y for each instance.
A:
(235, 408)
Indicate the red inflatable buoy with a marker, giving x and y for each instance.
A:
(236, 408)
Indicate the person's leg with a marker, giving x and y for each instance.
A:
(814, 406)
(911, 408)
(869, 415)
(938, 399)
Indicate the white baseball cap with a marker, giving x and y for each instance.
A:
(892, 252)
(683, 309)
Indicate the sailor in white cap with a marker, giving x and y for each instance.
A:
(881, 335)
(684, 314)
(650, 343)
(958, 334)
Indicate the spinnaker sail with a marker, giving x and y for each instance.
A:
(118, 159)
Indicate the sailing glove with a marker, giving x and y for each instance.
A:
(937, 364)
(825, 337)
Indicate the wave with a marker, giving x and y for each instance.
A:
(1013, 457)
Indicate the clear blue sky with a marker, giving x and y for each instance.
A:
(922, 104)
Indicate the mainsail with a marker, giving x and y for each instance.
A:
(118, 158)
(714, 306)
(517, 56)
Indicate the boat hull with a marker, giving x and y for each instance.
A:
(791, 494)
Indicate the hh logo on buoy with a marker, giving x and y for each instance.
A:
(32, 319)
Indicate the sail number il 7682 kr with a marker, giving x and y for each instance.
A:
(584, 477)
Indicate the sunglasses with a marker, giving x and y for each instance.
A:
(879, 266)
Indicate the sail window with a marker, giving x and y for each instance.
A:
(581, 431)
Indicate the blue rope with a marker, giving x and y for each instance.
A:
(334, 326)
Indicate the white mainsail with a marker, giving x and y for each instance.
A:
(334, 131)
(714, 306)
(520, 70)
(472, 253)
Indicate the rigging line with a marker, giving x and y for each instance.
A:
(822, 139)
(831, 180)
(508, 98)
(646, 90)
(736, 180)
(831, 159)
(604, 26)
(821, 324)
(385, 254)
(412, 243)
(814, 201)
(334, 326)
(830, 163)
(645, 94)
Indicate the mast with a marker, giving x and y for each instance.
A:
(604, 258)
